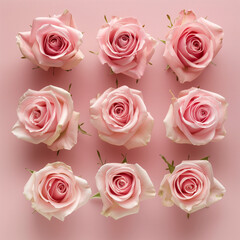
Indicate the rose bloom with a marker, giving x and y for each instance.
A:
(52, 42)
(191, 44)
(121, 117)
(125, 46)
(122, 186)
(55, 192)
(191, 186)
(196, 117)
(47, 116)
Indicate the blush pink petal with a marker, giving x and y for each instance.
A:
(23, 39)
(68, 138)
(39, 22)
(142, 136)
(184, 17)
(217, 32)
(67, 19)
(165, 192)
(73, 61)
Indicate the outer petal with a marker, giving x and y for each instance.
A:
(143, 135)
(217, 192)
(147, 188)
(68, 138)
(23, 41)
(185, 17)
(165, 192)
(73, 61)
(67, 19)
(172, 130)
(217, 32)
(20, 132)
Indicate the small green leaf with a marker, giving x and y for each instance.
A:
(124, 158)
(69, 70)
(205, 158)
(23, 57)
(112, 72)
(97, 195)
(58, 152)
(81, 130)
(137, 80)
(169, 18)
(116, 83)
(29, 170)
(105, 18)
(143, 25)
(167, 67)
(34, 68)
(150, 63)
(69, 87)
(163, 41)
(100, 158)
(171, 167)
(188, 215)
(93, 52)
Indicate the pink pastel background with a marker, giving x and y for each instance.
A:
(220, 221)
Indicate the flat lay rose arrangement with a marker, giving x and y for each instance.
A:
(120, 116)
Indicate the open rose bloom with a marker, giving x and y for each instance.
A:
(121, 117)
(196, 117)
(191, 186)
(191, 44)
(55, 192)
(125, 46)
(47, 116)
(52, 42)
(122, 186)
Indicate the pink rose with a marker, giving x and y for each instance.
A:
(52, 42)
(121, 117)
(122, 186)
(47, 116)
(196, 117)
(191, 44)
(125, 46)
(191, 186)
(55, 192)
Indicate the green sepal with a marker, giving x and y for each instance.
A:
(171, 167)
(97, 195)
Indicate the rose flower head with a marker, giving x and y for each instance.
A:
(122, 186)
(125, 46)
(191, 44)
(191, 186)
(47, 116)
(52, 42)
(121, 117)
(196, 117)
(55, 192)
